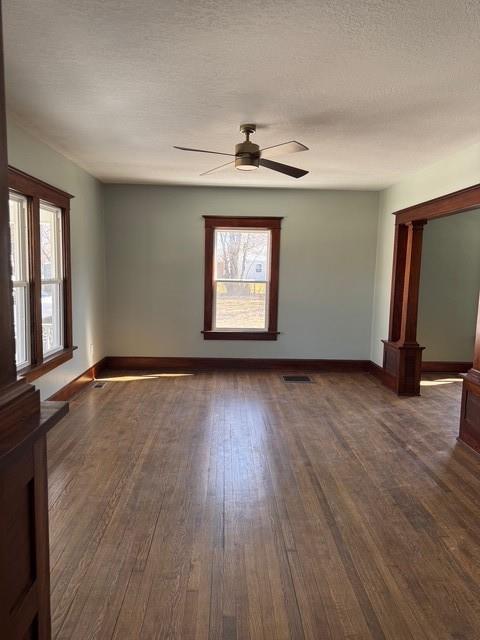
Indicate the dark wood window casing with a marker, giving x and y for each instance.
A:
(230, 222)
(36, 191)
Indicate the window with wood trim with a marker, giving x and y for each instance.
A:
(40, 250)
(241, 278)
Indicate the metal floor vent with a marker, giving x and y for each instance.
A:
(297, 379)
(98, 385)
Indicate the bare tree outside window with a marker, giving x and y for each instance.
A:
(241, 278)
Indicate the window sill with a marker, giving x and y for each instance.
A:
(35, 371)
(240, 335)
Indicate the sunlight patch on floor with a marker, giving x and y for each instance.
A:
(150, 376)
(436, 383)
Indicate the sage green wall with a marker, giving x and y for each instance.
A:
(87, 247)
(155, 254)
(449, 174)
(449, 287)
(336, 261)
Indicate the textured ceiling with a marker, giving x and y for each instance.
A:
(375, 88)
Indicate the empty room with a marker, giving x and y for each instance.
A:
(239, 320)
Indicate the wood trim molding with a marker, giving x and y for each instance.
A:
(402, 353)
(381, 374)
(79, 383)
(446, 205)
(35, 191)
(209, 364)
(55, 360)
(249, 222)
(435, 366)
(273, 224)
(24, 183)
(150, 363)
(402, 357)
(240, 335)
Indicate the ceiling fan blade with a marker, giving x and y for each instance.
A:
(283, 168)
(217, 153)
(205, 173)
(285, 147)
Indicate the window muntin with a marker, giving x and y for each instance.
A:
(240, 290)
(51, 269)
(18, 213)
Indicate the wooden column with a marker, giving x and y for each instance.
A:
(470, 410)
(402, 358)
(24, 420)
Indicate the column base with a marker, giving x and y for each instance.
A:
(402, 363)
(470, 410)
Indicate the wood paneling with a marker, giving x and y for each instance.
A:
(24, 552)
(232, 505)
(470, 413)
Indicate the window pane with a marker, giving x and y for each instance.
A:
(20, 316)
(241, 254)
(18, 234)
(50, 241)
(52, 324)
(240, 305)
(17, 206)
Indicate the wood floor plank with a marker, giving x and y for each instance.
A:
(235, 506)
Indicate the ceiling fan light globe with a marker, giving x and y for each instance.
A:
(246, 163)
(246, 167)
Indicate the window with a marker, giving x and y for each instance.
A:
(241, 278)
(20, 279)
(51, 277)
(39, 229)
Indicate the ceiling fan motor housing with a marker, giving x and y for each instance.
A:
(247, 155)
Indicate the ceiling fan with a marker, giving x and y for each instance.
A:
(249, 156)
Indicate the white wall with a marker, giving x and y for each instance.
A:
(155, 253)
(87, 246)
(449, 286)
(450, 174)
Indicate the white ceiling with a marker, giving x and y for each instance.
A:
(375, 88)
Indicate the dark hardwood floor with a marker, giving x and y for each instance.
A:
(233, 505)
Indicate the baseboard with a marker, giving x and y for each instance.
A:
(276, 364)
(433, 366)
(209, 364)
(385, 378)
(80, 382)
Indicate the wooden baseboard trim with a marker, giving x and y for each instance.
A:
(274, 364)
(209, 364)
(79, 383)
(385, 378)
(445, 367)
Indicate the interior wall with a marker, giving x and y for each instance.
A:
(87, 250)
(449, 287)
(155, 254)
(457, 171)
